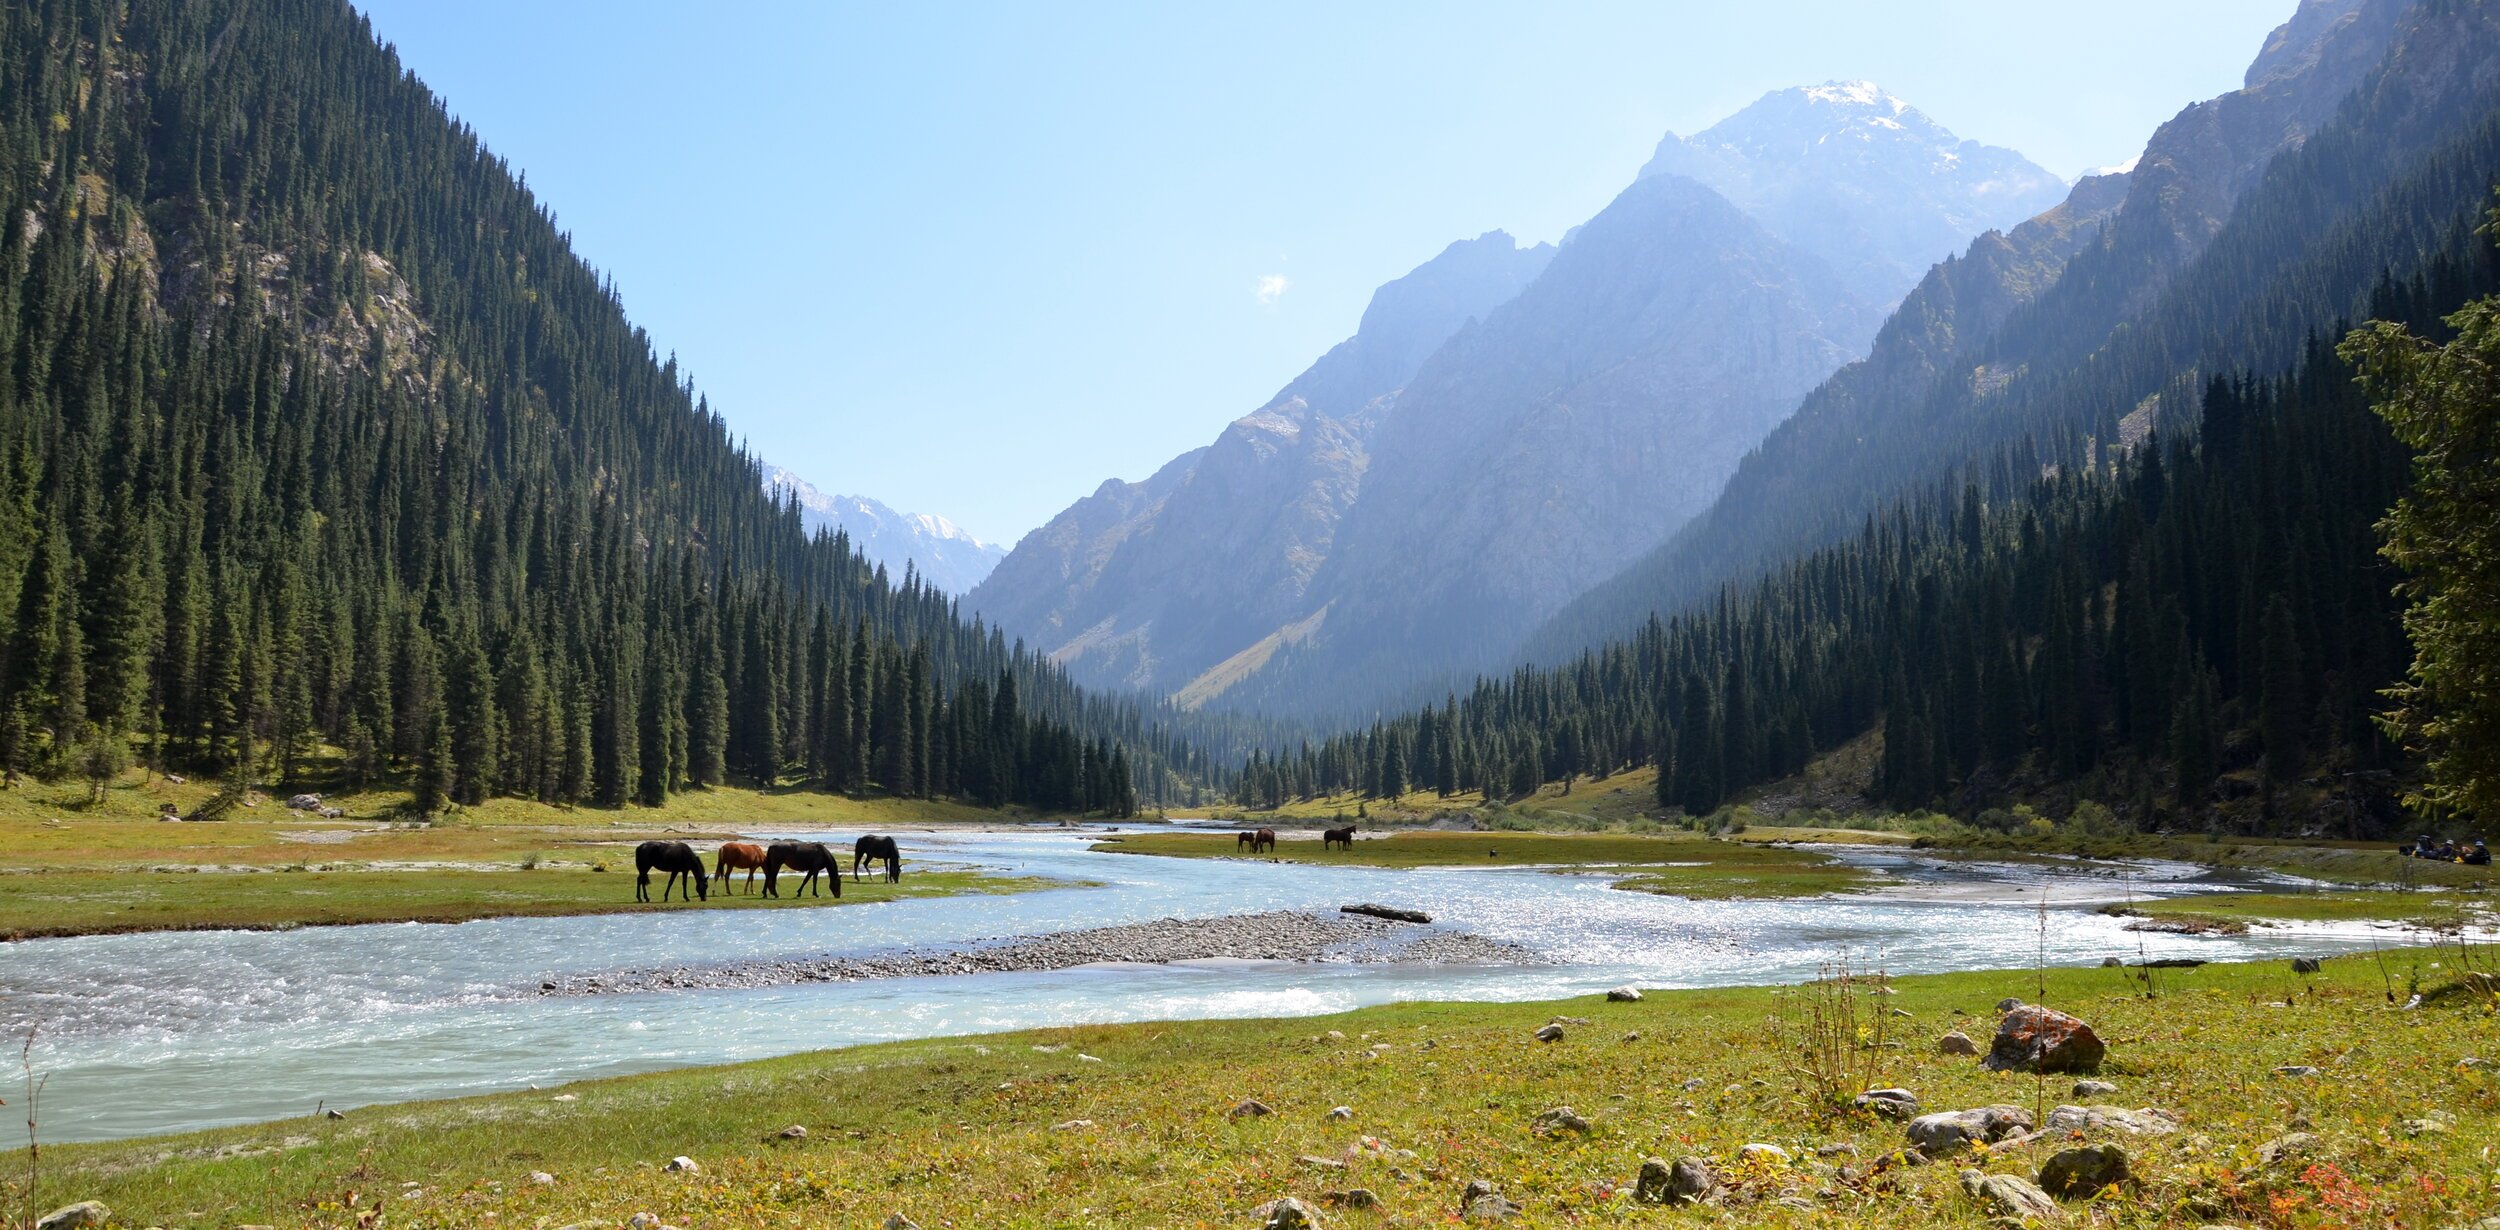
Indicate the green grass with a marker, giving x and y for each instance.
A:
(2234, 913)
(1718, 869)
(966, 1132)
(97, 903)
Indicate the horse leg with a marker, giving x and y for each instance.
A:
(642, 885)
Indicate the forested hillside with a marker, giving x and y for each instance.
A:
(314, 432)
(2191, 623)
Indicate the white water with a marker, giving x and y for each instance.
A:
(171, 1031)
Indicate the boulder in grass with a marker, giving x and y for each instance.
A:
(1949, 1132)
(682, 1165)
(75, 1216)
(1287, 1214)
(1624, 995)
(1558, 1120)
(2080, 1173)
(1955, 1042)
(2010, 1196)
(1688, 1181)
(2037, 1039)
(1250, 1108)
(1550, 1033)
(899, 1222)
(2087, 1120)
(1898, 1105)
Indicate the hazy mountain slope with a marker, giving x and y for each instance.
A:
(1575, 425)
(1861, 179)
(2015, 354)
(944, 555)
(1149, 584)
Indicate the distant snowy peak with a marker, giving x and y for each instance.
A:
(939, 550)
(1860, 178)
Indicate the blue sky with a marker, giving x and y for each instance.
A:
(973, 260)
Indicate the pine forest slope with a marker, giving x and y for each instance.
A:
(314, 430)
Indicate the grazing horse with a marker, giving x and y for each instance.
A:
(1245, 838)
(743, 856)
(1337, 837)
(674, 857)
(1263, 842)
(809, 856)
(873, 848)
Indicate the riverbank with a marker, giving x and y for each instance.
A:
(67, 903)
(69, 868)
(2385, 1122)
(1277, 935)
(1683, 866)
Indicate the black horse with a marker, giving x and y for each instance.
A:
(1337, 837)
(674, 857)
(809, 856)
(873, 848)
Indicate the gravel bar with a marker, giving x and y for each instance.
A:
(1281, 935)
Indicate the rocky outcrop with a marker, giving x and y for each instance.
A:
(2037, 1039)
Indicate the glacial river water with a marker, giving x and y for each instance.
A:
(178, 1030)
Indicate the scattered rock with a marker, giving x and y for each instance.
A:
(1341, 1113)
(2431, 1124)
(1633, 1036)
(1898, 1105)
(2073, 1174)
(794, 1132)
(1559, 1119)
(1392, 913)
(1568, 1020)
(2008, 1004)
(1624, 995)
(1072, 1125)
(1948, 1132)
(1764, 1155)
(2112, 963)
(900, 1222)
(74, 1216)
(682, 1165)
(1491, 1208)
(2296, 1070)
(2005, 1195)
(1689, 1181)
(1287, 1214)
(2094, 1089)
(1476, 1189)
(1904, 1012)
(1250, 1108)
(1352, 1198)
(1694, 1083)
(2150, 1121)
(1323, 1163)
(2036, 1039)
(1956, 1043)
(644, 1221)
(2305, 965)
(334, 1113)
(1840, 1148)
(1550, 1033)
(2287, 1147)
(540, 1178)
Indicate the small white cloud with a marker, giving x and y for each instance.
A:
(1271, 288)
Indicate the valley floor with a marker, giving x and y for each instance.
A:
(2303, 1100)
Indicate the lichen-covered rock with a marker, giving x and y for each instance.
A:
(1550, 1033)
(1250, 1108)
(2037, 1039)
(2094, 1089)
(2073, 1174)
(1560, 1119)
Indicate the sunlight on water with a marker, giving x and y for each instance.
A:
(177, 1030)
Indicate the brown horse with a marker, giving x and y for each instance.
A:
(808, 856)
(1245, 838)
(743, 856)
(1263, 842)
(1337, 837)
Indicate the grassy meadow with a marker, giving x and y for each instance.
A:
(1687, 866)
(1131, 1125)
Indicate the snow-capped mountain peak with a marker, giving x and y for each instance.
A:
(944, 554)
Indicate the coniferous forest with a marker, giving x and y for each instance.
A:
(314, 433)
